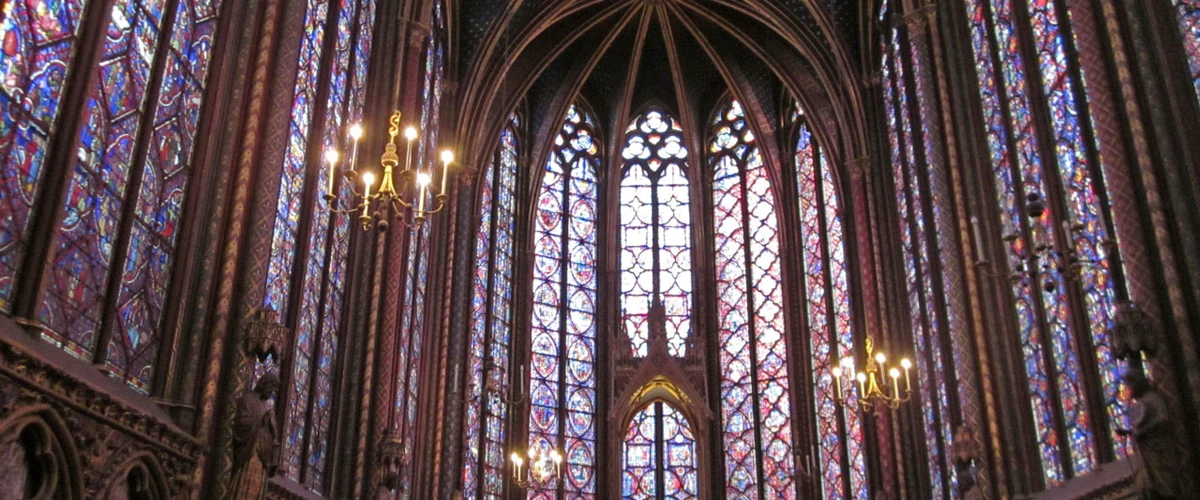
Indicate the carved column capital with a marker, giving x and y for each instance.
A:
(417, 35)
(919, 19)
(859, 167)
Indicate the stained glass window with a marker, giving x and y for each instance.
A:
(563, 359)
(1189, 26)
(317, 319)
(491, 325)
(918, 244)
(39, 48)
(1058, 369)
(655, 232)
(755, 394)
(658, 459)
(827, 310)
(121, 211)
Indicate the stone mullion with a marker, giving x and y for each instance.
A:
(859, 185)
(46, 214)
(925, 37)
(214, 154)
(387, 294)
(980, 412)
(911, 454)
(908, 448)
(214, 415)
(455, 314)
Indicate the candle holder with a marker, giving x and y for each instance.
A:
(873, 387)
(413, 202)
(541, 468)
(1044, 257)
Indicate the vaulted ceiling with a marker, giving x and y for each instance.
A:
(620, 56)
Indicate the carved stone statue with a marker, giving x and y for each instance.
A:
(1154, 432)
(255, 441)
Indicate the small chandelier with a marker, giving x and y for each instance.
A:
(544, 467)
(389, 200)
(873, 386)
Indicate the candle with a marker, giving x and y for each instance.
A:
(862, 384)
(368, 179)
(409, 134)
(895, 382)
(447, 157)
(332, 157)
(516, 459)
(879, 359)
(356, 133)
(906, 364)
(837, 382)
(423, 182)
(978, 238)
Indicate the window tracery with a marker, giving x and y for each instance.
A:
(655, 232)
(920, 246)
(310, 370)
(659, 459)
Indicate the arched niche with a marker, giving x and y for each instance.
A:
(38, 460)
(662, 397)
(141, 479)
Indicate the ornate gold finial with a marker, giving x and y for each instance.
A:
(390, 158)
(394, 130)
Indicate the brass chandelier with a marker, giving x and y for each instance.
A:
(874, 389)
(544, 467)
(412, 203)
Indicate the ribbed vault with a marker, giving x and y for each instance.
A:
(622, 55)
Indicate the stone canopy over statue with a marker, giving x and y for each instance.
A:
(255, 441)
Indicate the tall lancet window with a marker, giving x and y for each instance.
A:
(1189, 27)
(126, 170)
(491, 324)
(827, 311)
(658, 459)
(563, 358)
(756, 403)
(305, 282)
(1047, 156)
(656, 262)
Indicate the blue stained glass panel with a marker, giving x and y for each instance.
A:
(96, 191)
(38, 50)
(291, 185)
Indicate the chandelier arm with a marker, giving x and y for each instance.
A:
(333, 208)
